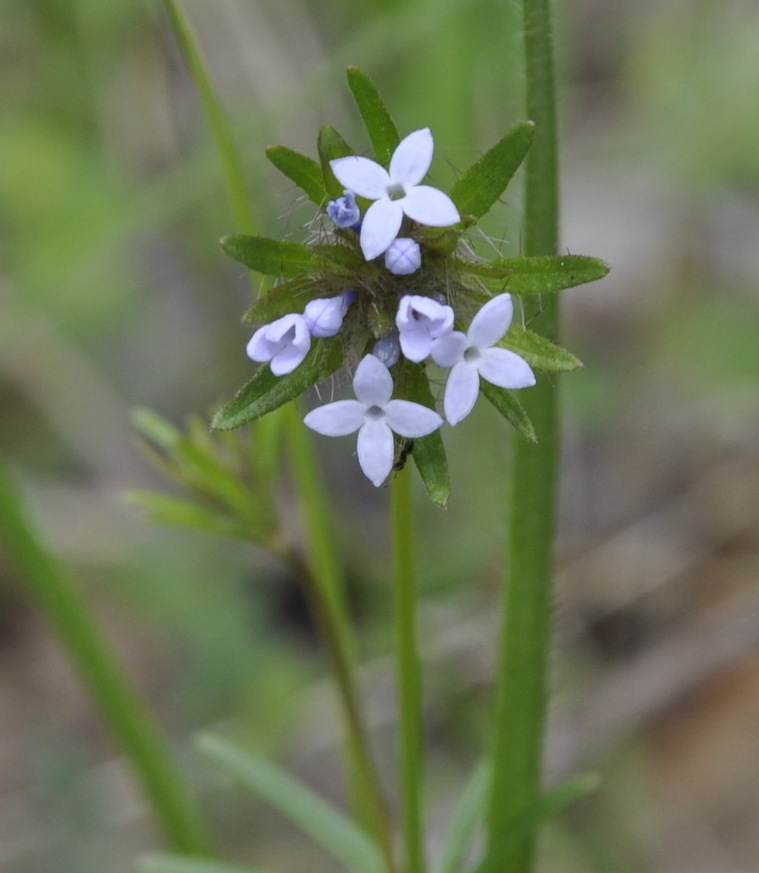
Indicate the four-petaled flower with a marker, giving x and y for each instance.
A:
(420, 320)
(284, 343)
(472, 355)
(375, 416)
(395, 193)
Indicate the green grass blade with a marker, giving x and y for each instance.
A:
(124, 711)
(160, 862)
(313, 815)
(547, 807)
(468, 814)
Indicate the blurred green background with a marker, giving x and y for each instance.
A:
(114, 294)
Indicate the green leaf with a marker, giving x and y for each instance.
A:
(429, 451)
(548, 806)
(166, 862)
(176, 512)
(379, 125)
(266, 392)
(271, 257)
(466, 817)
(538, 351)
(283, 299)
(484, 182)
(538, 275)
(317, 818)
(304, 171)
(331, 145)
(510, 407)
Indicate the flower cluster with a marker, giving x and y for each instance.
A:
(387, 285)
(424, 326)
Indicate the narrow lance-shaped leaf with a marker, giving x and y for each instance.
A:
(484, 182)
(304, 171)
(312, 814)
(537, 275)
(510, 407)
(266, 392)
(538, 351)
(177, 512)
(270, 256)
(379, 125)
(331, 145)
(166, 862)
(429, 451)
(283, 299)
(466, 818)
(546, 807)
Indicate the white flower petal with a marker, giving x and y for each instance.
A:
(259, 348)
(461, 392)
(492, 321)
(449, 349)
(505, 368)
(380, 227)
(286, 360)
(415, 344)
(361, 175)
(411, 419)
(375, 451)
(372, 384)
(412, 158)
(336, 419)
(429, 206)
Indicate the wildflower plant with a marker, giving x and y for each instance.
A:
(388, 285)
(388, 288)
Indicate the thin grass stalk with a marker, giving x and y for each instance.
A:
(230, 157)
(323, 577)
(409, 674)
(519, 720)
(323, 573)
(106, 682)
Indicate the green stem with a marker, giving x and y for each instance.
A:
(409, 673)
(118, 701)
(233, 168)
(523, 660)
(324, 582)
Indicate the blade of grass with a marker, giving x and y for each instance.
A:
(123, 710)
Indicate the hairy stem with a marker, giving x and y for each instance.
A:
(523, 659)
(409, 673)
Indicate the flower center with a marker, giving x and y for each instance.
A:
(396, 191)
(471, 355)
(375, 413)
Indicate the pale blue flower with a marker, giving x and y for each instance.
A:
(284, 343)
(344, 211)
(324, 316)
(375, 416)
(395, 193)
(474, 354)
(403, 256)
(420, 320)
